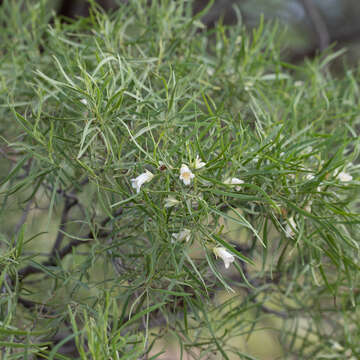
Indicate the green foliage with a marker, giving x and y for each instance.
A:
(93, 269)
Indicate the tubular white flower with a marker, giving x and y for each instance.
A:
(182, 235)
(225, 255)
(234, 181)
(141, 179)
(336, 346)
(84, 101)
(344, 176)
(170, 201)
(198, 163)
(290, 228)
(185, 174)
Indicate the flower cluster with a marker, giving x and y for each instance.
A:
(186, 176)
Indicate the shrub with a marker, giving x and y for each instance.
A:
(143, 152)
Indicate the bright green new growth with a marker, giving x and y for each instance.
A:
(88, 106)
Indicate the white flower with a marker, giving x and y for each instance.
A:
(182, 235)
(170, 201)
(185, 174)
(290, 228)
(344, 176)
(198, 163)
(222, 253)
(141, 179)
(336, 346)
(234, 181)
(84, 101)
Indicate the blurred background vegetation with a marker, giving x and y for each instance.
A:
(313, 25)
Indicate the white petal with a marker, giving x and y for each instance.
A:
(344, 176)
(170, 201)
(198, 163)
(233, 181)
(182, 235)
(185, 174)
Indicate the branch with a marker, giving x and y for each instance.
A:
(69, 204)
(64, 193)
(70, 201)
(29, 270)
(24, 216)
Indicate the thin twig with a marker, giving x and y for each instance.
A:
(66, 193)
(24, 216)
(70, 201)
(64, 215)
